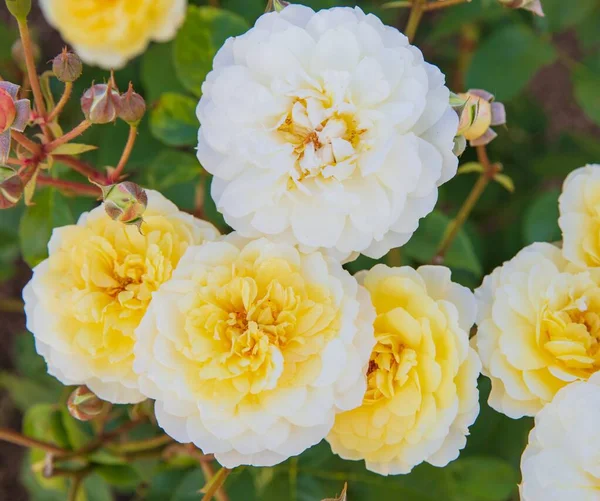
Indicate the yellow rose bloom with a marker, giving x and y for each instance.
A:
(579, 218)
(86, 299)
(538, 328)
(252, 348)
(422, 376)
(108, 33)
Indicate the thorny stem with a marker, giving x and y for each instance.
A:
(215, 483)
(80, 166)
(442, 4)
(9, 305)
(27, 143)
(61, 103)
(18, 439)
(32, 73)
(86, 190)
(489, 171)
(116, 174)
(65, 138)
(142, 445)
(414, 18)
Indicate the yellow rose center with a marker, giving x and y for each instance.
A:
(572, 335)
(326, 135)
(251, 329)
(389, 367)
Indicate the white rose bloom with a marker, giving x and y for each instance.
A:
(579, 217)
(85, 301)
(252, 348)
(327, 130)
(562, 460)
(538, 328)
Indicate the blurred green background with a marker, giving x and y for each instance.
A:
(545, 70)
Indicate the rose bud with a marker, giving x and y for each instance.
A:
(18, 54)
(477, 115)
(85, 405)
(131, 107)
(100, 103)
(534, 6)
(125, 202)
(14, 115)
(11, 187)
(67, 66)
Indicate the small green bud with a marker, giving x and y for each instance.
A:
(100, 103)
(67, 66)
(11, 187)
(125, 202)
(18, 54)
(131, 107)
(19, 8)
(84, 405)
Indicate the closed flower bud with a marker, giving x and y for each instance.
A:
(131, 107)
(477, 115)
(277, 5)
(19, 8)
(8, 110)
(18, 54)
(84, 405)
(125, 202)
(534, 6)
(67, 66)
(100, 103)
(11, 187)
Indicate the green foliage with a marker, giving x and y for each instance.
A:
(513, 46)
(540, 223)
(173, 120)
(203, 33)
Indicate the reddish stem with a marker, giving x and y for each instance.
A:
(82, 167)
(87, 190)
(114, 177)
(65, 138)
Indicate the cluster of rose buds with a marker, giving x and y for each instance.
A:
(125, 202)
(84, 405)
(102, 104)
(14, 115)
(534, 6)
(478, 112)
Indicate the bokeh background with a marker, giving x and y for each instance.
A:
(545, 70)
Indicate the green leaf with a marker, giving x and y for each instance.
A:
(561, 15)
(96, 489)
(203, 33)
(541, 219)
(50, 210)
(173, 120)
(124, 477)
(25, 392)
(425, 242)
(170, 168)
(44, 422)
(470, 167)
(515, 47)
(38, 487)
(9, 251)
(586, 81)
(73, 149)
(505, 181)
(78, 433)
(251, 10)
(176, 485)
(482, 479)
(587, 31)
(157, 72)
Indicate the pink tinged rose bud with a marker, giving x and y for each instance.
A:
(67, 66)
(534, 6)
(11, 187)
(125, 202)
(100, 103)
(85, 405)
(131, 107)
(14, 115)
(477, 115)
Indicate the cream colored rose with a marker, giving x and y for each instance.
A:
(579, 218)
(108, 33)
(85, 301)
(252, 348)
(562, 460)
(422, 376)
(539, 327)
